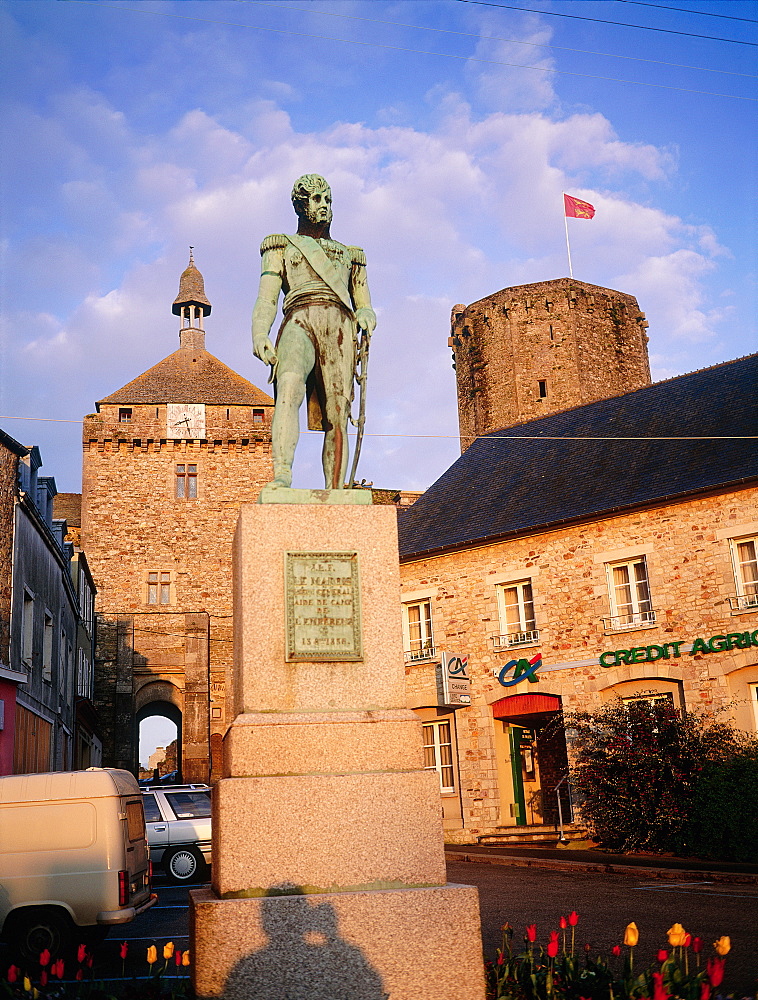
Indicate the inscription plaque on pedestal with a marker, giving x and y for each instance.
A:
(322, 602)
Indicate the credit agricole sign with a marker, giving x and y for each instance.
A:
(667, 650)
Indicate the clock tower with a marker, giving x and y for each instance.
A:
(168, 461)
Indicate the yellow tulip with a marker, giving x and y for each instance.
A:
(723, 945)
(152, 955)
(186, 958)
(168, 950)
(631, 935)
(27, 984)
(677, 935)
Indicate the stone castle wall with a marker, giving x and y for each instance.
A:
(687, 550)
(532, 350)
(133, 524)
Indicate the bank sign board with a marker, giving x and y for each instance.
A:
(456, 683)
(516, 671)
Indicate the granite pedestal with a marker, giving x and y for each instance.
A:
(328, 863)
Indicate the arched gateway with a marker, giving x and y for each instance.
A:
(168, 461)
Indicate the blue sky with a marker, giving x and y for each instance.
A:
(448, 131)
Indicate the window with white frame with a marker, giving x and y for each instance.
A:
(438, 753)
(754, 699)
(647, 709)
(649, 699)
(27, 627)
(419, 639)
(629, 593)
(744, 553)
(159, 587)
(515, 604)
(47, 648)
(83, 676)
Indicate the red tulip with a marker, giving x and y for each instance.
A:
(697, 945)
(90, 961)
(123, 950)
(705, 990)
(715, 969)
(81, 953)
(44, 958)
(531, 932)
(687, 940)
(564, 923)
(553, 935)
(552, 948)
(43, 978)
(662, 955)
(58, 968)
(79, 975)
(573, 918)
(13, 971)
(500, 958)
(177, 957)
(588, 948)
(616, 950)
(659, 990)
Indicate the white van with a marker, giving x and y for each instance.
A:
(73, 858)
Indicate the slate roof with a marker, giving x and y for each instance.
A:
(505, 485)
(190, 376)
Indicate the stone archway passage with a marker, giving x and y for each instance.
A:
(161, 698)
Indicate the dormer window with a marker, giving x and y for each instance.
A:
(125, 415)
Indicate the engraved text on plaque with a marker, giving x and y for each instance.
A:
(322, 600)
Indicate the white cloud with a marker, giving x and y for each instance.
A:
(447, 213)
(504, 83)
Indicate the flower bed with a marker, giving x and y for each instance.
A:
(557, 971)
(55, 979)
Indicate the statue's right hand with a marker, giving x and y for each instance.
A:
(264, 349)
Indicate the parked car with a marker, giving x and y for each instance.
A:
(178, 819)
(73, 858)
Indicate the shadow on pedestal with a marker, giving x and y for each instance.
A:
(305, 957)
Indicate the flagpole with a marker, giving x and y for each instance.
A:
(568, 246)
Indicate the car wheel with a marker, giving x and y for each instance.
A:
(184, 865)
(35, 929)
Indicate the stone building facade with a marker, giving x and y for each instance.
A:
(168, 460)
(11, 451)
(572, 572)
(46, 598)
(531, 350)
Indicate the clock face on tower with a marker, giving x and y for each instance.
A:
(185, 420)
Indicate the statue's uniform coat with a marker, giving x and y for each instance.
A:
(313, 307)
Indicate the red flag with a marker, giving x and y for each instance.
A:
(576, 209)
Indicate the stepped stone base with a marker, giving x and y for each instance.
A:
(327, 831)
(405, 944)
(259, 744)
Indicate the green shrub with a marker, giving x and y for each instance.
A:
(643, 771)
(723, 820)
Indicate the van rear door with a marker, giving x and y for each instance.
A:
(137, 883)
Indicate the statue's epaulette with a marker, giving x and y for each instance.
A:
(275, 242)
(359, 257)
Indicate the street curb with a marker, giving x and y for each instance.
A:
(601, 868)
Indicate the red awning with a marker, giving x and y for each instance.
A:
(518, 705)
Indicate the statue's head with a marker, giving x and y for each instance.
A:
(312, 199)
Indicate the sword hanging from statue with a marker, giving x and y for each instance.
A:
(361, 372)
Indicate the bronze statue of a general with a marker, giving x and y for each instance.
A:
(326, 307)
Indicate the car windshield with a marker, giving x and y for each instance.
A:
(190, 805)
